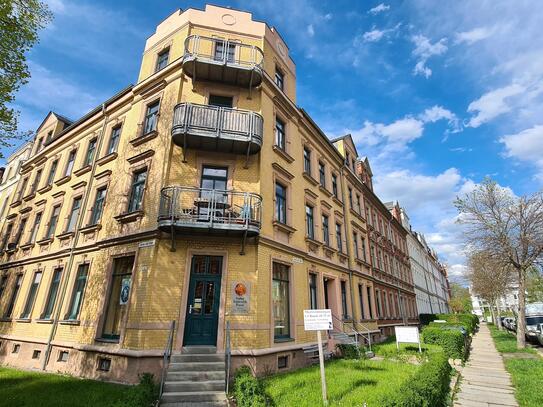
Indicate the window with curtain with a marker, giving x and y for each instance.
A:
(78, 291)
(280, 301)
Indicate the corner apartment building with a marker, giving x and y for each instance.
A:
(202, 195)
(429, 274)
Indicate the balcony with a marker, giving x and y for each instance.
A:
(217, 60)
(217, 129)
(192, 210)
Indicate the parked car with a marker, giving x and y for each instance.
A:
(540, 335)
(509, 323)
(533, 327)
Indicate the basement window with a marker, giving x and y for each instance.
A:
(63, 356)
(16, 348)
(36, 354)
(282, 362)
(104, 364)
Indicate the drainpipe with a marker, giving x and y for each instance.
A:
(81, 216)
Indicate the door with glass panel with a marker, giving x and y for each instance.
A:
(201, 322)
(213, 200)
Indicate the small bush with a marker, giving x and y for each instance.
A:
(145, 394)
(248, 390)
(349, 351)
(452, 341)
(428, 387)
(425, 319)
(470, 321)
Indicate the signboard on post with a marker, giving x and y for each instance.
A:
(319, 320)
(407, 334)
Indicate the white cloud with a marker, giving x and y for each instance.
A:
(472, 36)
(310, 30)
(424, 49)
(527, 146)
(436, 113)
(492, 104)
(379, 9)
(373, 35)
(395, 136)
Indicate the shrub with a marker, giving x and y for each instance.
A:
(425, 319)
(470, 321)
(349, 351)
(248, 390)
(449, 325)
(428, 387)
(452, 341)
(145, 394)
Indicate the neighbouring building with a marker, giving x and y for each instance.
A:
(429, 274)
(202, 195)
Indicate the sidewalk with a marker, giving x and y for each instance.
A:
(485, 382)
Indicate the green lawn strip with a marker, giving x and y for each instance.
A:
(506, 342)
(527, 377)
(388, 349)
(350, 383)
(23, 388)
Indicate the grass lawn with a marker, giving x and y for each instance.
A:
(21, 388)
(526, 373)
(349, 382)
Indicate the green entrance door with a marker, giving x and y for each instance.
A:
(203, 301)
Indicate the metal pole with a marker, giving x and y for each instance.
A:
(323, 377)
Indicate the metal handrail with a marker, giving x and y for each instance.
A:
(228, 354)
(218, 121)
(166, 358)
(223, 51)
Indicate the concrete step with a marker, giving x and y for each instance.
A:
(198, 357)
(188, 386)
(199, 349)
(194, 397)
(196, 367)
(195, 376)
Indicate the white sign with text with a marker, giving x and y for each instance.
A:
(318, 319)
(407, 334)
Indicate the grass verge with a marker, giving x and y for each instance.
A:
(506, 342)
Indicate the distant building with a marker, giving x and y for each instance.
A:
(429, 274)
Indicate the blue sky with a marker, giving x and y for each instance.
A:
(438, 94)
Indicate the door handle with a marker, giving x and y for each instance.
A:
(190, 309)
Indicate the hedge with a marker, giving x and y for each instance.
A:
(470, 321)
(248, 390)
(428, 387)
(349, 351)
(449, 325)
(452, 341)
(425, 319)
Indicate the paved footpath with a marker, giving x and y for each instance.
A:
(485, 382)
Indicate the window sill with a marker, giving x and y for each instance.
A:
(83, 170)
(74, 322)
(16, 203)
(129, 217)
(27, 246)
(91, 228)
(286, 156)
(357, 214)
(144, 138)
(65, 235)
(325, 191)
(63, 180)
(45, 189)
(283, 340)
(46, 241)
(362, 262)
(336, 200)
(43, 321)
(283, 227)
(106, 340)
(329, 250)
(107, 158)
(310, 179)
(5, 319)
(342, 257)
(24, 320)
(26, 209)
(312, 243)
(29, 197)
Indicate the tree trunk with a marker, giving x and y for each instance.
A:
(521, 316)
(493, 314)
(498, 312)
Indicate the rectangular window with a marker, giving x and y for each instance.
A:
(151, 118)
(351, 198)
(386, 311)
(339, 238)
(361, 299)
(363, 249)
(334, 185)
(368, 290)
(322, 175)
(118, 297)
(114, 140)
(32, 295)
(3, 284)
(98, 206)
(222, 54)
(63, 356)
(378, 300)
(104, 364)
(313, 303)
(280, 300)
(309, 222)
(36, 182)
(40, 145)
(74, 215)
(20, 231)
(279, 79)
(52, 295)
(14, 294)
(91, 151)
(36, 354)
(136, 191)
(391, 305)
(358, 207)
(307, 160)
(344, 300)
(70, 163)
(162, 60)
(22, 190)
(355, 244)
(7, 235)
(282, 362)
(78, 291)
(35, 227)
(280, 133)
(52, 171)
(325, 230)
(16, 348)
(280, 203)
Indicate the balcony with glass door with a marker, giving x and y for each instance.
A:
(213, 211)
(219, 60)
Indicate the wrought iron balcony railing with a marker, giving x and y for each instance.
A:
(217, 128)
(189, 209)
(219, 60)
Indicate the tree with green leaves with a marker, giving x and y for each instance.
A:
(508, 227)
(460, 301)
(20, 22)
(534, 285)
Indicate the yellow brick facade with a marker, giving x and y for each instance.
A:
(161, 272)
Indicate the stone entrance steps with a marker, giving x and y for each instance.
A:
(196, 377)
